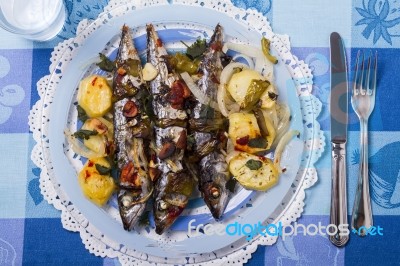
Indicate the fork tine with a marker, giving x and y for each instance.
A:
(361, 86)
(373, 81)
(367, 84)
(356, 74)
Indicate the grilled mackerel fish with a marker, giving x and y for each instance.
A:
(207, 131)
(174, 185)
(132, 131)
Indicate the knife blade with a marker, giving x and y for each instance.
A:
(339, 118)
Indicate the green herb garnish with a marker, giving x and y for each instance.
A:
(206, 112)
(85, 134)
(102, 169)
(253, 164)
(105, 64)
(258, 142)
(196, 49)
(81, 113)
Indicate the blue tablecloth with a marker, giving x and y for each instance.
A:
(30, 229)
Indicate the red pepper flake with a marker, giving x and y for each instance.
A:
(94, 81)
(159, 43)
(243, 140)
(87, 174)
(283, 170)
(90, 164)
(121, 71)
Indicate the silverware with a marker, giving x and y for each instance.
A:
(338, 104)
(363, 102)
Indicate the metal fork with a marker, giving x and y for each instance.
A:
(363, 102)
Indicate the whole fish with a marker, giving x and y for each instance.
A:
(207, 128)
(132, 131)
(174, 185)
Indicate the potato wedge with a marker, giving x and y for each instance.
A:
(96, 187)
(245, 134)
(269, 97)
(95, 95)
(253, 172)
(239, 84)
(98, 143)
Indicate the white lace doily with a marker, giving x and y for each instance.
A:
(102, 245)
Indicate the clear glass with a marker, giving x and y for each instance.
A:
(38, 20)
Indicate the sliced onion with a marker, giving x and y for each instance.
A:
(248, 59)
(226, 75)
(245, 49)
(177, 199)
(142, 156)
(265, 67)
(145, 198)
(262, 64)
(79, 148)
(231, 155)
(283, 114)
(281, 145)
(200, 96)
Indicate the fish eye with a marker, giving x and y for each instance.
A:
(162, 205)
(126, 200)
(215, 193)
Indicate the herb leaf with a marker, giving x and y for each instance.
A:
(253, 164)
(196, 49)
(85, 134)
(102, 169)
(258, 142)
(206, 112)
(105, 64)
(81, 113)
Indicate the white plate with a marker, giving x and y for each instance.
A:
(102, 225)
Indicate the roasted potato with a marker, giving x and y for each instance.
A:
(245, 133)
(246, 87)
(95, 95)
(104, 129)
(253, 172)
(95, 186)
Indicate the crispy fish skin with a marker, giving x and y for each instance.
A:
(174, 185)
(212, 169)
(132, 131)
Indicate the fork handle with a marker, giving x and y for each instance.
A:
(362, 213)
(338, 215)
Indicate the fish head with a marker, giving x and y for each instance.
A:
(130, 207)
(172, 202)
(216, 196)
(132, 199)
(165, 214)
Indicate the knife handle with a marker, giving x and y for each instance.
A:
(338, 215)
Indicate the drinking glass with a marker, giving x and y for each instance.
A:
(38, 20)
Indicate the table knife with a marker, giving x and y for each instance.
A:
(339, 235)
